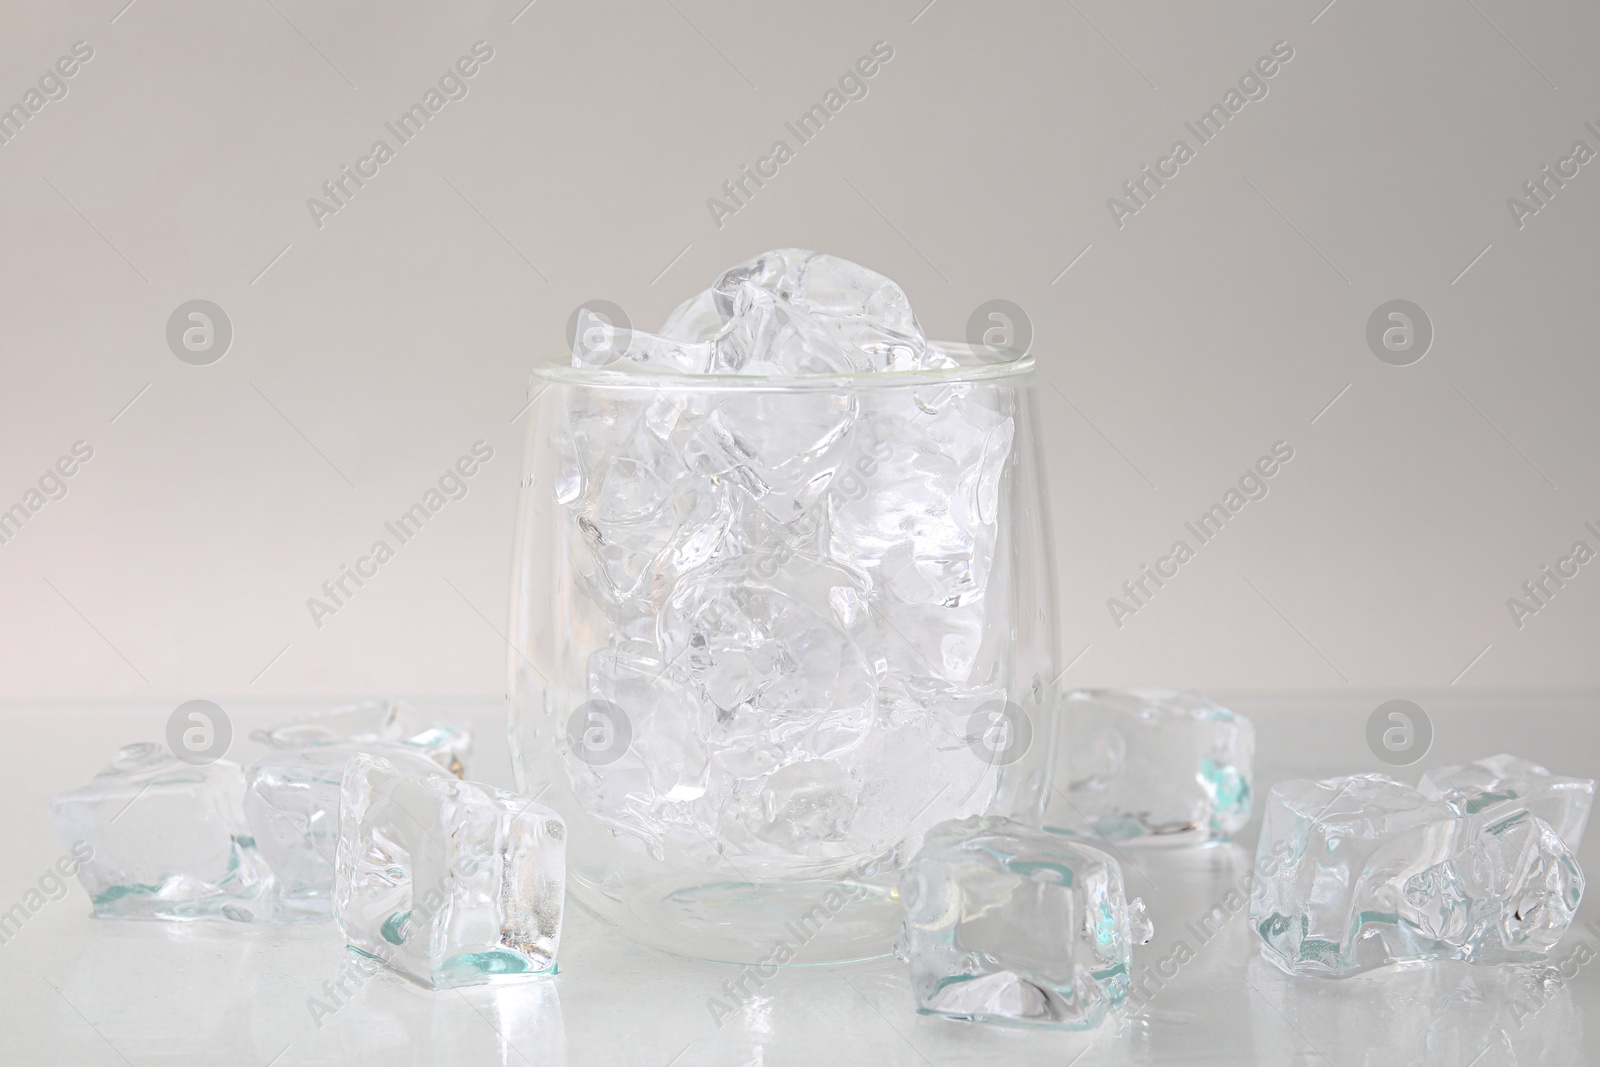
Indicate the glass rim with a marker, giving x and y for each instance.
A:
(984, 363)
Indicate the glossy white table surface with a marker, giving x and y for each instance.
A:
(85, 992)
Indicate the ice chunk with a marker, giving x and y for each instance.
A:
(1154, 766)
(597, 343)
(292, 805)
(292, 795)
(637, 755)
(1364, 871)
(449, 883)
(1562, 802)
(781, 652)
(1008, 924)
(919, 500)
(868, 316)
(169, 839)
(787, 313)
(373, 722)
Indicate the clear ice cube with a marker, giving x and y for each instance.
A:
(169, 839)
(1008, 924)
(448, 883)
(597, 343)
(1562, 802)
(1365, 871)
(292, 795)
(372, 722)
(1153, 766)
(785, 313)
(292, 805)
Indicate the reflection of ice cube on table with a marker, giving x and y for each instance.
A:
(169, 839)
(448, 883)
(1562, 802)
(1008, 924)
(1364, 871)
(1152, 766)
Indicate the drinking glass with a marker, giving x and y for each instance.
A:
(766, 631)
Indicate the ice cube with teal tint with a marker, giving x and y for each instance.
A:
(448, 883)
(369, 722)
(1562, 802)
(169, 839)
(1365, 871)
(1152, 767)
(292, 794)
(1009, 924)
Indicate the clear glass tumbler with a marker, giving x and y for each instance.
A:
(767, 631)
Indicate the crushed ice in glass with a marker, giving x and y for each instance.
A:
(1364, 871)
(800, 585)
(168, 839)
(448, 883)
(1153, 766)
(1008, 924)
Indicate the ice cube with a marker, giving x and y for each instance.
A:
(597, 343)
(1008, 924)
(867, 317)
(781, 653)
(448, 883)
(1560, 801)
(374, 721)
(914, 506)
(789, 312)
(1365, 871)
(291, 802)
(918, 498)
(169, 839)
(1153, 766)
(292, 795)
(781, 449)
(637, 755)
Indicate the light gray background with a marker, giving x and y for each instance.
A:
(1227, 315)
